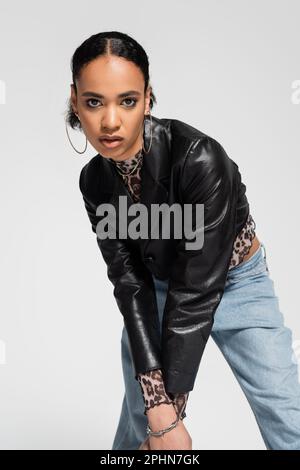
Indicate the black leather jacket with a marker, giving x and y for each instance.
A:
(184, 165)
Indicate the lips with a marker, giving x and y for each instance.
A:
(110, 137)
(111, 142)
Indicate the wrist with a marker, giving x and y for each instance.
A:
(161, 415)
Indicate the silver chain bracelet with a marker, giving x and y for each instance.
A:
(162, 431)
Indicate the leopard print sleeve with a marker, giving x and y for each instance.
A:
(243, 242)
(154, 393)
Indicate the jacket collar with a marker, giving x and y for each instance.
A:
(155, 172)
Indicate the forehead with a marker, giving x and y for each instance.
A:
(110, 75)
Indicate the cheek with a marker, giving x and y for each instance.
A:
(133, 132)
(91, 124)
(137, 123)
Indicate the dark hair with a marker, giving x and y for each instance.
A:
(106, 43)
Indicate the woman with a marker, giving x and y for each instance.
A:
(174, 293)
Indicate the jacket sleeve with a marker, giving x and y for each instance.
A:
(135, 295)
(198, 276)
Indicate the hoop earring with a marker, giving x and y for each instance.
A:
(71, 141)
(147, 151)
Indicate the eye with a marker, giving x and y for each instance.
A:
(94, 100)
(91, 99)
(131, 99)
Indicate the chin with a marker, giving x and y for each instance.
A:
(111, 153)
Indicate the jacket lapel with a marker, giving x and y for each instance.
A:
(154, 177)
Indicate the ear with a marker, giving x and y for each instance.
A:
(73, 98)
(147, 100)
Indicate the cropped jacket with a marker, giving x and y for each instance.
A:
(187, 167)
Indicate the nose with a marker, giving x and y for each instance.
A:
(110, 120)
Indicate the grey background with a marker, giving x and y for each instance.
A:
(226, 68)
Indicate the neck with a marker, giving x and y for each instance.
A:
(128, 159)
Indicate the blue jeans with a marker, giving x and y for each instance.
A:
(250, 332)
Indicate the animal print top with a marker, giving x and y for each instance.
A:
(151, 382)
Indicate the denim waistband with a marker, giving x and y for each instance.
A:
(250, 263)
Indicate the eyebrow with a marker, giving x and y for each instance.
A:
(121, 95)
